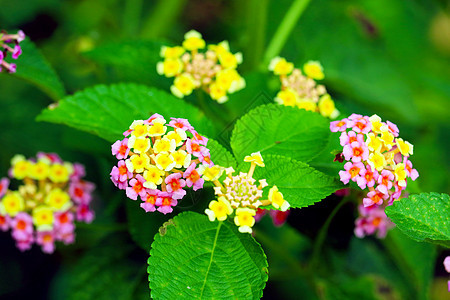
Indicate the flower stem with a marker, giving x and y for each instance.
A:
(284, 30)
(318, 243)
(256, 32)
(159, 21)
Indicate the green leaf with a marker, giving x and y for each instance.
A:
(132, 61)
(143, 226)
(423, 217)
(300, 184)
(33, 67)
(277, 129)
(220, 155)
(108, 111)
(195, 258)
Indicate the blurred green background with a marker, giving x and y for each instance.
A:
(389, 57)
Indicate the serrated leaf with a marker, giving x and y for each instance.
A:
(300, 184)
(194, 258)
(277, 129)
(220, 155)
(108, 111)
(33, 67)
(423, 217)
(132, 61)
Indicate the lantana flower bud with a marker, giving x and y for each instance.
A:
(299, 89)
(50, 198)
(158, 161)
(213, 70)
(240, 195)
(9, 43)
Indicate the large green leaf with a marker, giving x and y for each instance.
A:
(423, 217)
(277, 129)
(300, 184)
(193, 258)
(33, 67)
(108, 111)
(220, 155)
(132, 61)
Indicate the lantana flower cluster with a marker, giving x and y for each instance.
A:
(214, 70)
(377, 159)
(240, 195)
(157, 161)
(300, 89)
(44, 207)
(9, 43)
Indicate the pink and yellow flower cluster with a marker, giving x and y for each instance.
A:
(377, 158)
(157, 161)
(300, 89)
(214, 70)
(372, 220)
(9, 43)
(240, 194)
(43, 209)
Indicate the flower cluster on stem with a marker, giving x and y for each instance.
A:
(9, 43)
(240, 195)
(44, 207)
(157, 161)
(377, 159)
(300, 89)
(213, 70)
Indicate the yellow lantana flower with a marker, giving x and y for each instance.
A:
(277, 200)
(219, 209)
(12, 204)
(314, 70)
(245, 219)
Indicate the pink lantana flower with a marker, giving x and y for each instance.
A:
(341, 125)
(374, 197)
(385, 181)
(25, 243)
(367, 178)
(180, 123)
(149, 200)
(350, 137)
(174, 185)
(4, 184)
(81, 191)
(352, 171)
(5, 222)
(84, 213)
(136, 188)
(202, 140)
(64, 222)
(46, 239)
(372, 219)
(78, 171)
(120, 149)
(356, 151)
(120, 175)
(409, 169)
(22, 226)
(193, 147)
(193, 178)
(165, 202)
(362, 125)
